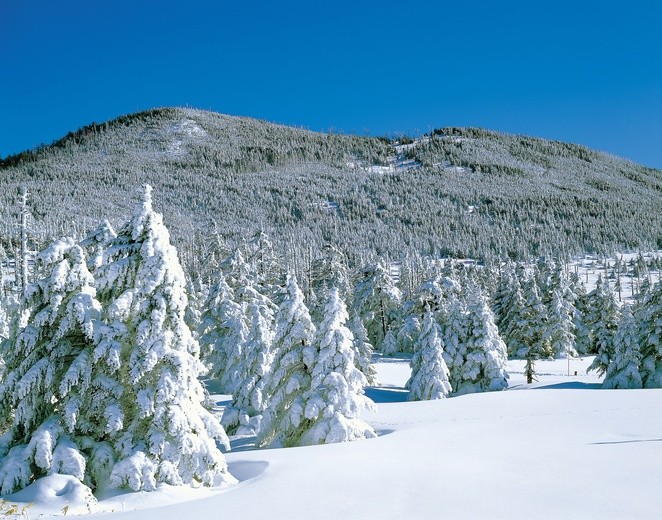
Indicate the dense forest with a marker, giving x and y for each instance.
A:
(456, 192)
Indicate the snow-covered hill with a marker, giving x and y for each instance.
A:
(561, 448)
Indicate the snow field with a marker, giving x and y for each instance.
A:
(560, 448)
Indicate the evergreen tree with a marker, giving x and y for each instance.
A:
(160, 430)
(560, 326)
(95, 244)
(376, 299)
(485, 357)
(623, 369)
(430, 375)
(330, 407)
(408, 333)
(222, 333)
(330, 271)
(650, 338)
(453, 325)
(244, 414)
(390, 344)
(511, 310)
(604, 316)
(527, 337)
(362, 350)
(579, 299)
(51, 413)
(289, 376)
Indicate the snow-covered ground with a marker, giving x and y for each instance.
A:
(560, 448)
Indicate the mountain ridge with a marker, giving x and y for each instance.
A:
(455, 191)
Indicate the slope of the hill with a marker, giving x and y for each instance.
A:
(460, 192)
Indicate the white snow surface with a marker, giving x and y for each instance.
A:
(560, 448)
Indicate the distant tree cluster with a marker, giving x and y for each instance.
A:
(470, 193)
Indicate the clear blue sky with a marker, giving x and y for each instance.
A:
(582, 71)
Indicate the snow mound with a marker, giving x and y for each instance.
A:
(56, 492)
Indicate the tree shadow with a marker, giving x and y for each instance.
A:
(571, 385)
(624, 442)
(387, 395)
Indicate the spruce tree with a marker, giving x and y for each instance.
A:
(289, 376)
(429, 372)
(376, 299)
(485, 357)
(222, 334)
(362, 350)
(160, 430)
(650, 337)
(332, 404)
(623, 369)
(52, 408)
(604, 316)
(244, 413)
(560, 325)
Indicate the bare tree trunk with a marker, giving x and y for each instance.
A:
(24, 238)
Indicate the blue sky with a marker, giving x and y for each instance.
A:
(588, 72)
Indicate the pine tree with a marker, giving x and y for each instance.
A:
(328, 272)
(362, 350)
(222, 333)
(527, 336)
(430, 375)
(50, 409)
(453, 325)
(244, 413)
(579, 299)
(95, 244)
(484, 367)
(390, 344)
(650, 337)
(604, 316)
(376, 299)
(330, 407)
(160, 430)
(560, 325)
(623, 369)
(289, 376)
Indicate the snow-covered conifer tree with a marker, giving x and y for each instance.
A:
(604, 317)
(222, 333)
(650, 337)
(527, 333)
(96, 242)
(579, 300)
(376, 299)
(560, 325)
(244, 414)
(623, 369)
(330, 407)
(160, 430)
(390, 344)
(362, 350)
(430, 375)
(289, 376)
(329, 271)
(408, 333)
(453, 325)
(50, 410)
(485, 356)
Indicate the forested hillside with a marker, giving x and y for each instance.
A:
(219, 179)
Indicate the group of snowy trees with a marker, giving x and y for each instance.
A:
(99, 368)
(102, 352)
(100, 376)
